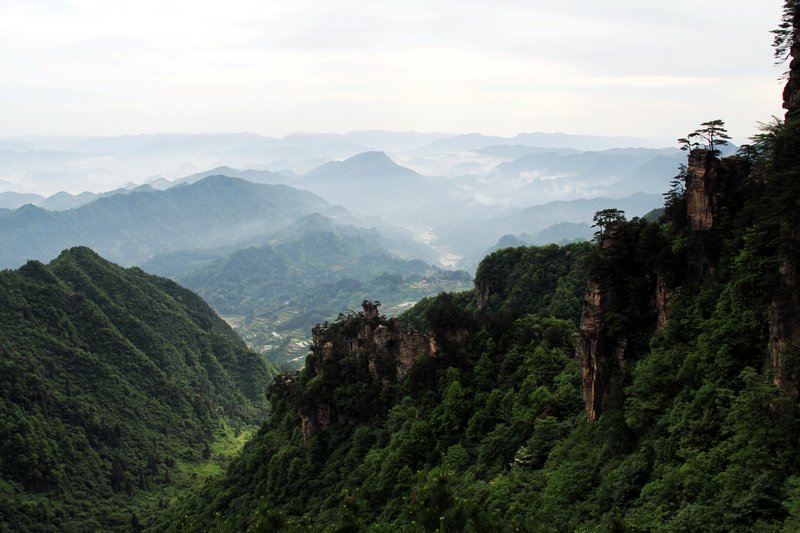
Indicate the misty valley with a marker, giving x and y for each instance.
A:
(276, 251)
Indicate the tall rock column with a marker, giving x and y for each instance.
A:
(602, 352)
(784, 327)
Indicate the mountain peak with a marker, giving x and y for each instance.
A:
(364, 165)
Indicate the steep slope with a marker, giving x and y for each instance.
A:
(114, 386)
(381, 403)
(132, 227)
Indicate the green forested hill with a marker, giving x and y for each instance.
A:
(114, 386)
(351, 443)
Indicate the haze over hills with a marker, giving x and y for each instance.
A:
(46, 165)
(484, 331)
(489, 182)
(312, 271)
(130, 228)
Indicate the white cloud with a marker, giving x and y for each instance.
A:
(615, 67)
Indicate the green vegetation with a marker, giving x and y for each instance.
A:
(118, 390)
(687, 368)
(673, 406)
(279, 291)
(710, 135)
(131, 228)
(428, 446)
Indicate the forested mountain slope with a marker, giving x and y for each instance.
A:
(114, 384)
(673, 406)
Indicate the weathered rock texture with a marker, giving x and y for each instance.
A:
(387, 349)
(712, 185)
(602, 352)
(591, 346)
(665, 293)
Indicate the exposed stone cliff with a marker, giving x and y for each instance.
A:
(713, 186)
(602, 350)
(600, 354)
(371, 340)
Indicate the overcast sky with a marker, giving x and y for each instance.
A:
(615, 67)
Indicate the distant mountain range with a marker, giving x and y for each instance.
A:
(45, 165)
(460, 193)
(130, 228)
(373, 184)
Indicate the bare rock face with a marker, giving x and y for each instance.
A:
(391, 352)
(601, 354)
(702, 189)
(791, 91)
(591, 347)
(369, 339)
(665, 293)
(711, 183)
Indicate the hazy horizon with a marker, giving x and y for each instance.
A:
(621, 68)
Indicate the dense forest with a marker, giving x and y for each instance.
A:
(648, 380)
(672, 404)
(118, 390)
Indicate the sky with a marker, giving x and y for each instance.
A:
(499, 67)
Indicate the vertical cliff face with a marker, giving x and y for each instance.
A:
(665, 294)
(592, 346)
(367, 342)
(630, 291)
(703, 190)
(784, 317)
(711, 184)
(602, 347)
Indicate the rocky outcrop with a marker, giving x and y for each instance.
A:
(602, 351)
(591, 347)
(389, 350)
(711, 183)
(602, 354)
(617, 321)
(702, 189)
(665, 293)
(369, 339)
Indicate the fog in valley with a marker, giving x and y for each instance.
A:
(280, 234)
